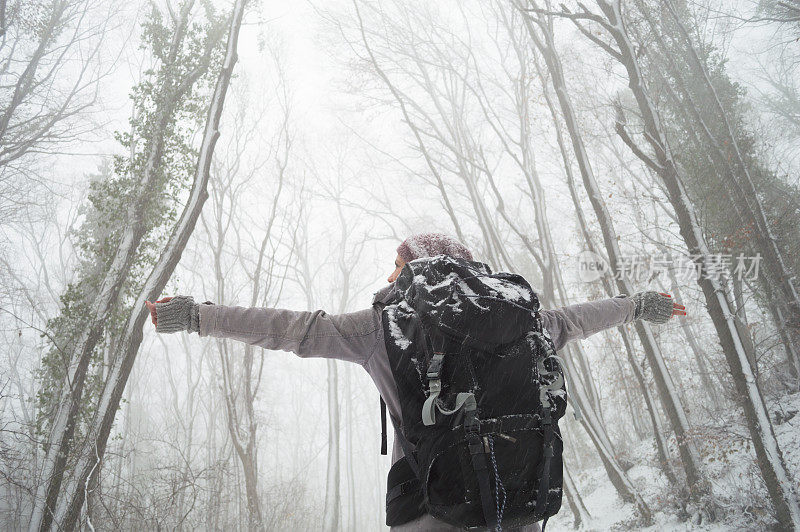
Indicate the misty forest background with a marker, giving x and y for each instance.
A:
(275, 154)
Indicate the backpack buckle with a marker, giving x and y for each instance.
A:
(429, 407)
(435, 366)
(434, 388)
(471, 423)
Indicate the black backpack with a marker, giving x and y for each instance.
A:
(480, 390)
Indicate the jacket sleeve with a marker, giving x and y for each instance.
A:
(575, 322)
(352, 337)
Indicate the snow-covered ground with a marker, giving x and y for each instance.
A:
(739, 493)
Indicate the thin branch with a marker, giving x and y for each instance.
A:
(620, 129)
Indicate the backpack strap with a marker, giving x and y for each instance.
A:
(480, 465)
(404, 443)
(547, 420)
(481, 468)
(434, 387)
(383, 426)
(544, 480)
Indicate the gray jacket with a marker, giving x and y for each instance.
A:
(358, 337)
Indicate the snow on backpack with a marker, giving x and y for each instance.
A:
(481, 391)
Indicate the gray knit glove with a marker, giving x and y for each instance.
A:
(652, 306)
(180, 313)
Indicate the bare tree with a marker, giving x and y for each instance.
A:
(62, 504)
(51, 64)
(726, 322)
(784, 12)
(683, 70)
(242, 373)
(541, 35)
(783, 100)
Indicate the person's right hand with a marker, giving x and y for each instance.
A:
(656, 307)
(677, 308)
(152, 308)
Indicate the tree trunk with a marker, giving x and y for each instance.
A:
(700, 356)
(352, 502)
(331, 519)
(579, 512)
(588, 419)
(630, 403)
(543, 40)
(70, 498)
